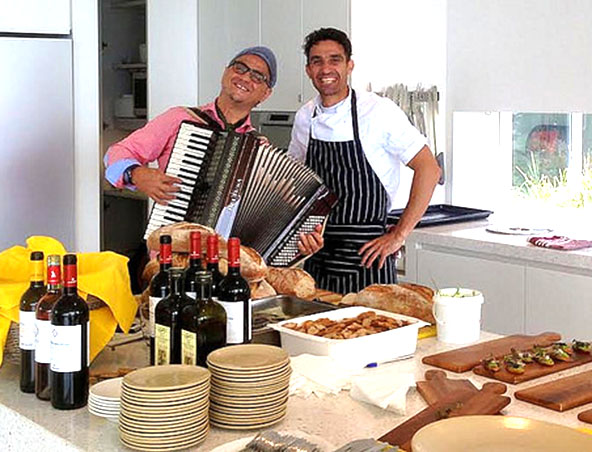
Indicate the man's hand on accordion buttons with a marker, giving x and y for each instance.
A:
(155, 183)
(311, 243)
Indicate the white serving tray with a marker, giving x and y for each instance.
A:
(357, 352)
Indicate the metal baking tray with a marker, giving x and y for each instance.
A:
(443, 214)
(277, 308)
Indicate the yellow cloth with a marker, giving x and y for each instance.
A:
(103, 275)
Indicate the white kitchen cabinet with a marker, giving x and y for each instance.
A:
(502, 284)
(281, 31)
(315, 14)
(558, 301)
(35, 16)
(225, 27)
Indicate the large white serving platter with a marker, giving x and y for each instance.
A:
(357, 352)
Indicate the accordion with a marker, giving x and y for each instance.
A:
(244, 189)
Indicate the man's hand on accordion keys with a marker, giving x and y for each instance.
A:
(312, 242)
(155, 183)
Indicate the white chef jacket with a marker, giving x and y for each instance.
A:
(388, 138)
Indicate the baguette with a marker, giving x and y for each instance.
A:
(395, 298)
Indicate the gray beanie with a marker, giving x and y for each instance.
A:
(266, 54)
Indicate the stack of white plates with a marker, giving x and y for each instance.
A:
(103, 399)
(250, 385)
(164, 407)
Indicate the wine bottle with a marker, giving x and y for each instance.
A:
(203, 323)
(167, 322)
(159, 285)
(43, 327)
(70, 334)
(194, 263)
(234, 295)
(27, 307)
(212, 258)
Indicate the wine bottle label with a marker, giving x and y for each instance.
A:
(235, 321)
(188, 348)
(191, 295)
(43, 341)
(66, 348)
(153, 301)
(27, 330)
(162, 345)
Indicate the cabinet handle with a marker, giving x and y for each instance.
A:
(300, 98)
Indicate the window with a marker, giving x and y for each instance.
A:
(522, 162)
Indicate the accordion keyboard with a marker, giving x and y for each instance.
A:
(186, 161)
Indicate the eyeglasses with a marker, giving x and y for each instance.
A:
(241, 68)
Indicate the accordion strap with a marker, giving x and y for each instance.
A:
(205, 117)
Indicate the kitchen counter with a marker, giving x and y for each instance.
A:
(473, 237)
(30, 424)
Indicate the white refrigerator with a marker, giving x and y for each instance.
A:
(36, 138)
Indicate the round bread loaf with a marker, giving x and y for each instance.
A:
(179, 233)
(292, 281)
(261, 289)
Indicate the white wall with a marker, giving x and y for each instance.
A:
(401, 41)
(519, 55)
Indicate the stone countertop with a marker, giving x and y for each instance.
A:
(27, 423)
(473, 237)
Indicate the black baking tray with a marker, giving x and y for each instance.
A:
(443, 214)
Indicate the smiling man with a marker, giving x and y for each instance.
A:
(247, 81)
(356, 142)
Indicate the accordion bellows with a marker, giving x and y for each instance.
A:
(243, 189)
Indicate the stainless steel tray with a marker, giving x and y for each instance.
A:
(277, 308)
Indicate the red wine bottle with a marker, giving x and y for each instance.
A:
(212, 258)
(234, 295)
(194, 263)
(203, 323)
(27, 307)
(167, 321)
(70, 333)
(159, 286)
(43, 327)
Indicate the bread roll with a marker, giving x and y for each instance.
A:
(179, 233)
(261, 289)
(253, 268)
(395, 298)
(292, 281)
(152, 267)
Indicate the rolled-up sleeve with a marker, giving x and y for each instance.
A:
(401, 138)
(143, 146)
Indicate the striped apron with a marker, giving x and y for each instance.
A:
(359, 216)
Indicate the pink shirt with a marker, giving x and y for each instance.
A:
(154, 142)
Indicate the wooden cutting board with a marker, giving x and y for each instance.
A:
(586, 416)
(562, 394)
(534, 370)
(439, 388)
(484, 401)
(465, 358)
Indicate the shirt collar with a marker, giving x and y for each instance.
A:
(210, 109)
(339, 106)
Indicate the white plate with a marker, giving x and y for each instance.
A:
(498, 433)
(108, 389)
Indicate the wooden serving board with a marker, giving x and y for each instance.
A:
(562, 394)
(586, 416)
(465, 358)
(439, 388)
(533, 370)
(481, 402)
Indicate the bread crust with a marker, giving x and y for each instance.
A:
(410, 299)
(292, 281)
